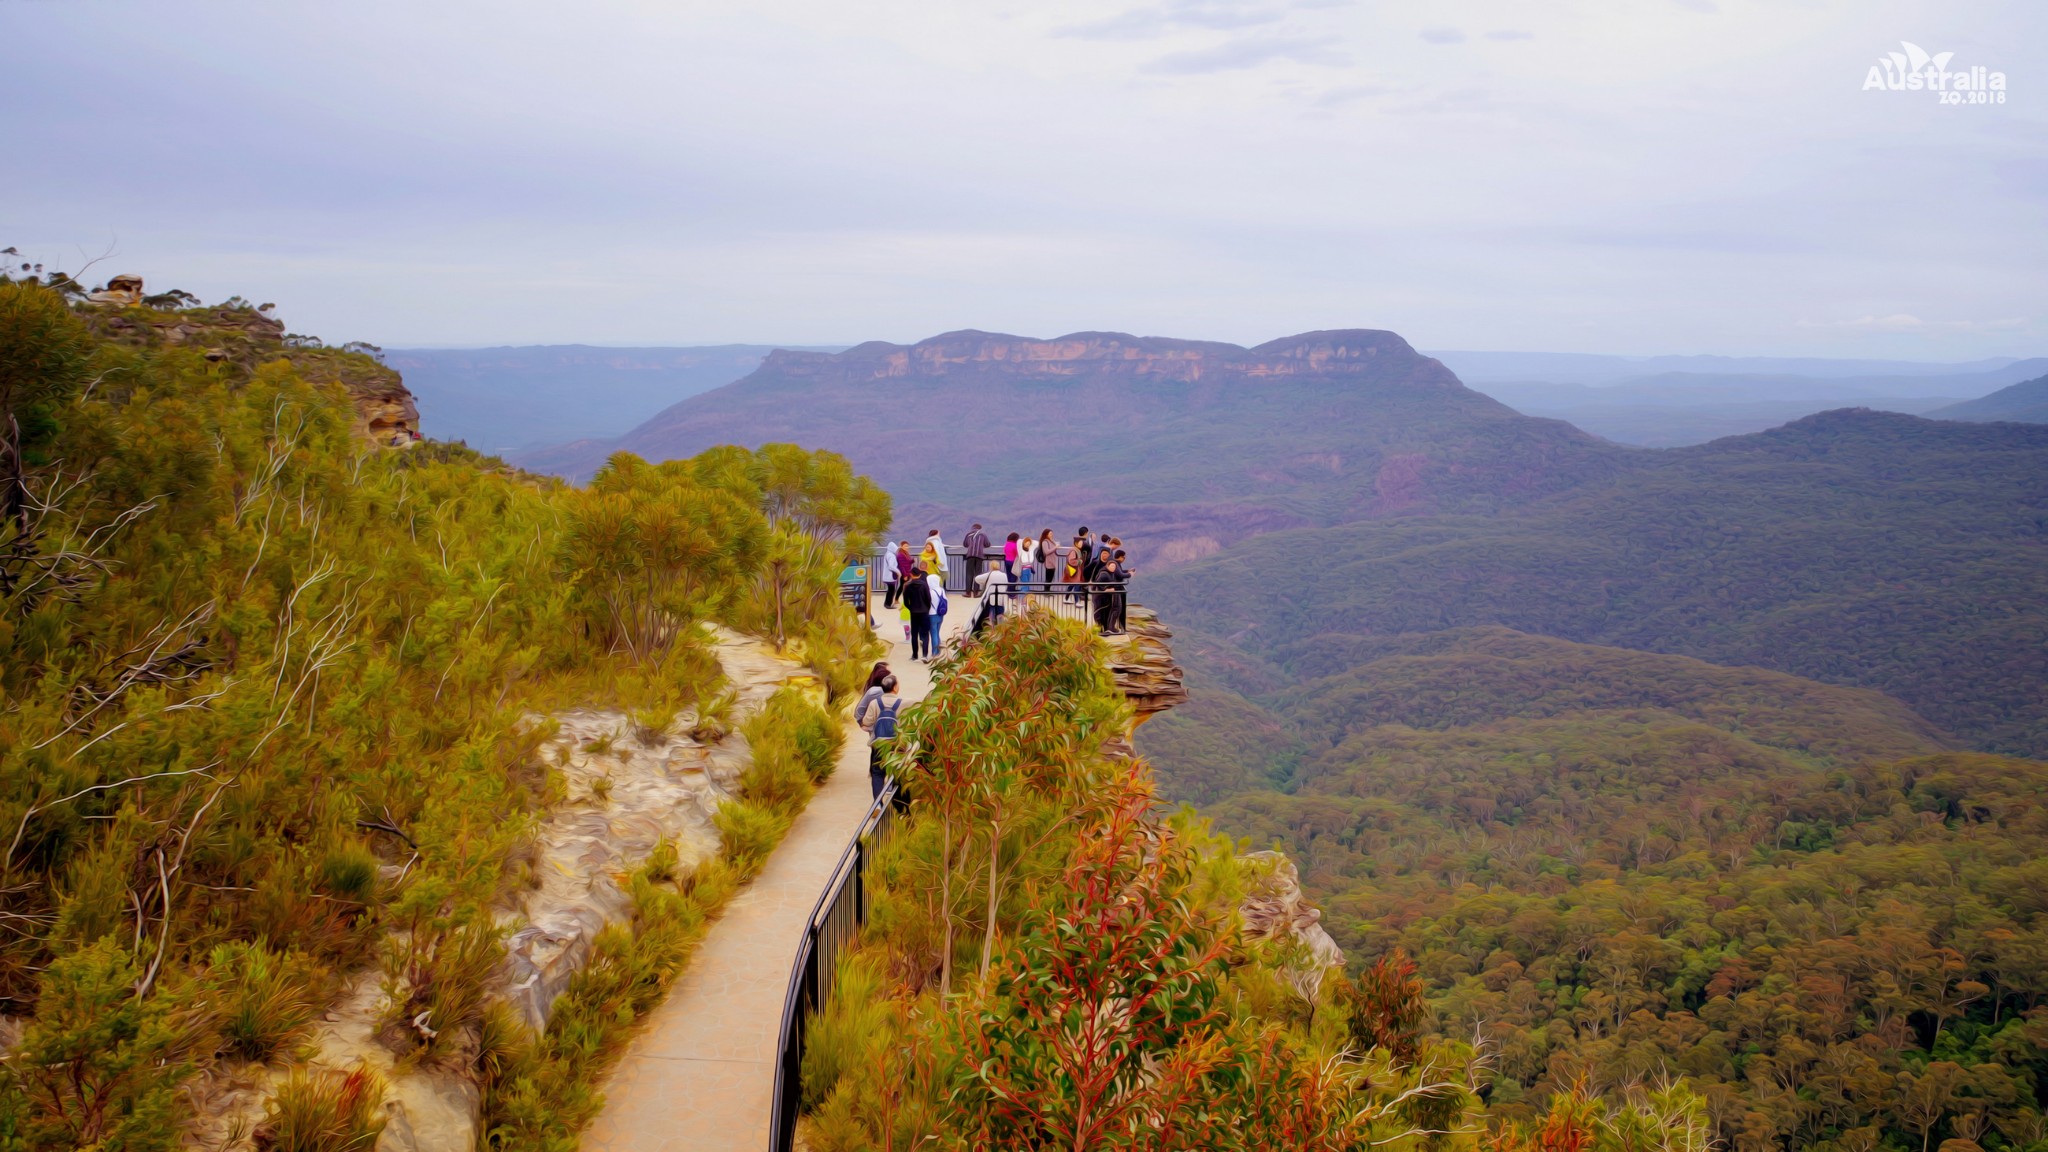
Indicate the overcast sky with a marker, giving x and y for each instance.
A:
(1634, 177)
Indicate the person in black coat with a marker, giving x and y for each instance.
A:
(917, 597)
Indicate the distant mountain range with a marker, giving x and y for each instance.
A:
(1589, 368)
(526, 400)
(1671, 409)
(501, 399)
(2026, 402)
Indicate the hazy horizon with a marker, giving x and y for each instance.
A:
(1694, 176)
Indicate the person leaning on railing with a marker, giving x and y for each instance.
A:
(992, 586)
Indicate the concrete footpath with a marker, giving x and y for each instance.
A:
(700, 1075)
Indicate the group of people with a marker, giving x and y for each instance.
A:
(915, 583)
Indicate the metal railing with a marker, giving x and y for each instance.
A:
(841, 911)
(957, 566)
(1100, 603)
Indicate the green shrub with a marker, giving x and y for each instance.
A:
(263, 1001)
(349, 872)
(97, 1068)
(324, 1112)
(848, 1037)
(791, 725)
(750, 832)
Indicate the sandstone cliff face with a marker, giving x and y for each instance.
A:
(1312, 353)
(1144, 666)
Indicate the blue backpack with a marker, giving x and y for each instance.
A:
(885, 720)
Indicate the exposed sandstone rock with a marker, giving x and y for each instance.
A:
(1276, 910)
(1143, 665)
(124, 291)
(628, 791)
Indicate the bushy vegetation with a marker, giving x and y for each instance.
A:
(1051, 964)
(261, 686)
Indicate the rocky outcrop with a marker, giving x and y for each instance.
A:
(1143, 665)
(123, 291)
(629, 789)
(1276, 910)
(243, 336)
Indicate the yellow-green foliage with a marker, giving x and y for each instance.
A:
(261, 680)
(264, 1001)
(1050, 963)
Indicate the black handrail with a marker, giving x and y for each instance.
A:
(833, 923)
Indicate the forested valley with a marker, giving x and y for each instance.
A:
(1623, 868)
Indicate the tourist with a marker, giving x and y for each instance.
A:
(877, 716)
(1027, 563)
(917, 603)
(1085, 544)
(1048, 557)
(1104, 594)
(892, 580)
(974, 550)
(1010, 557)
(937, 620)
(994, 587)
(1119, 623)
(934, 555)
(876, 675)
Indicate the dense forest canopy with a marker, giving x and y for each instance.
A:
(1625, 865)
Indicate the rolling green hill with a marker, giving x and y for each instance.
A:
(1853, 547)
(2025, 402)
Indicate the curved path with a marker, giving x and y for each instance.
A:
(700, 1075)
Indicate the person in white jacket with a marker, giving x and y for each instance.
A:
(938, 616)
(937, 544)
(992, 586)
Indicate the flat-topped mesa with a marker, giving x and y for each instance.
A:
(1335, 353)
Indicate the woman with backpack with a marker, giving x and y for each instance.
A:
(878, 716)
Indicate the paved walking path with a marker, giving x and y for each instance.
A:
(700, 1075)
